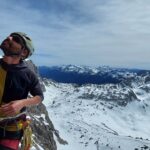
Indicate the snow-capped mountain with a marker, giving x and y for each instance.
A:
(84, 74)
(101, 117)
(90, 70)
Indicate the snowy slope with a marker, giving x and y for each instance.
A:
(99, 122)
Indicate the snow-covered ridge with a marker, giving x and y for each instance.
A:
(101, 117)
(93, 70)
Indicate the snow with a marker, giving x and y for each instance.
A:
(39, 147)
(90, 124)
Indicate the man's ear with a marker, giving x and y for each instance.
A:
(24, 53)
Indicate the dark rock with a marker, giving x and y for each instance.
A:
(145, 147)
(42, 127)
(82, 136)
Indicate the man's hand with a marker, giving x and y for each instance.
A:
(11, 108)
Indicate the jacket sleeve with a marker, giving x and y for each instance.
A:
(35, 87)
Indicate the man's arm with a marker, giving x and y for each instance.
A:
(13, 107)
(31, 101)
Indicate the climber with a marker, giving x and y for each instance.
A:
(16, 82)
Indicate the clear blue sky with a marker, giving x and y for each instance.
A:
(82, 32)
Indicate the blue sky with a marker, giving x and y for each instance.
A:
(82, 32)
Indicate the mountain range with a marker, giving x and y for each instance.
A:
(84, 74)
(102, 116)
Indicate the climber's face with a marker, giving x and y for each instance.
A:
(12, 45)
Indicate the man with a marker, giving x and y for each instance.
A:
(16, 81)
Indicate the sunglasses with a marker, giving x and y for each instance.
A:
(18, 40)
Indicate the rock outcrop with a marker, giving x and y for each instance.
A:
(42, 126)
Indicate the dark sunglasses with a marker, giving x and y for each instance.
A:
(18, 40)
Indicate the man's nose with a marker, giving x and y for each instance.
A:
(10, 38)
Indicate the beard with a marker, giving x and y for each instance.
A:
(6, 48)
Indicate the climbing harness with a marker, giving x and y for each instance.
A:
(16, 123)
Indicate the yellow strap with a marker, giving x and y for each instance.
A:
(13, 127)
(3, 74)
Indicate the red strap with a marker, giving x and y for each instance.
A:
(10, 143)
(28, 148)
